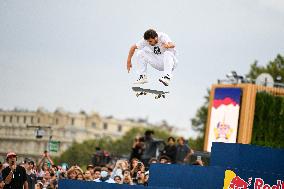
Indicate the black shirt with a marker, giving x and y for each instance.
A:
(170, 151)
(31, 178)
(19, 179)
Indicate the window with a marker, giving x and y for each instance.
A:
(56, 121)
(72, 121)
(119, 128)
(38, 120)
(11, 119)
(25, 119)
(18, 119)
(105, 126)
(4, 119)
(94, 125)
(32, 119)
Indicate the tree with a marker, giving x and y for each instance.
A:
(274, 68)
(198, 124)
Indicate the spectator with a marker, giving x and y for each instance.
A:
(88, 176)
(71, 173)
(149, 147)
(126, 173)
(2, 184)
(153, 160)
(165, 160)
(31, 175)
(39, 185)
(137, 148)
(91, 169)
(1, 168)
(45, 163)
(119, 167)
(105, 176)
(183, 152)
(14, 176)
(97, 173)
(117, 179)
(134, 167)
(127, 180)
(170, 149)
(80, 176)
(1, 178)
(53, 179)
(141, 179)
(46, 179)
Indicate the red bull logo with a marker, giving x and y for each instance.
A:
(259, 184)
(232, 181)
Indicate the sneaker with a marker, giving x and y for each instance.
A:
(141, 80)
(165, 80)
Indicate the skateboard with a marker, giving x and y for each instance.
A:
(141, 91)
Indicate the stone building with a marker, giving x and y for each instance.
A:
(19, 128)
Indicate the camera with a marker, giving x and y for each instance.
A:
(139, 164)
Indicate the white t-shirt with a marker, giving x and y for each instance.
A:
(158, 49)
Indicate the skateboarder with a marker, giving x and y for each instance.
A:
(155, 49)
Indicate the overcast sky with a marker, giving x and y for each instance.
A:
(72, 53)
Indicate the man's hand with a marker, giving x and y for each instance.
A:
(129, 65)
(168, 45)
(130, 54)
(8, 179)
(14, 166)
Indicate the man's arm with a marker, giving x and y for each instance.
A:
(49, 159)
(26, 185)
(187, 157)
(169, 45)
(7, 179)
(130, 55)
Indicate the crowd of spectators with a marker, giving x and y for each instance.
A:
(133, 171)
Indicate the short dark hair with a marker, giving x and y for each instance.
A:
(171, 138)
(150, 34)
(148, 132)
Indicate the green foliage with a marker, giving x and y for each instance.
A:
(197, 144)
(268, 127)
(275, 68)
(82, 153)
(198, 124)
(199, 121)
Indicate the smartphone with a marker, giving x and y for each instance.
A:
(198, 158)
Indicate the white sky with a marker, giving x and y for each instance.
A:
(72, 53)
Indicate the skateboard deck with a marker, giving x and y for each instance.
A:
(158, 93)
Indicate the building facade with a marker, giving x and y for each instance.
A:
(29, 132)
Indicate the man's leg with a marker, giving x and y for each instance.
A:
(142, 60)
(169, 63)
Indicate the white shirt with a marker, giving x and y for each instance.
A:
(158, 49)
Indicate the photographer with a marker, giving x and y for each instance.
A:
(136, 167)
(137, 148)
(150, 147)
(14, 176)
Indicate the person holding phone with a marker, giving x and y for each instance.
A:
(14, 176)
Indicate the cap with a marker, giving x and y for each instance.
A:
(9, 154)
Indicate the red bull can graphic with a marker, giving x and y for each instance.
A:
(232, 181)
